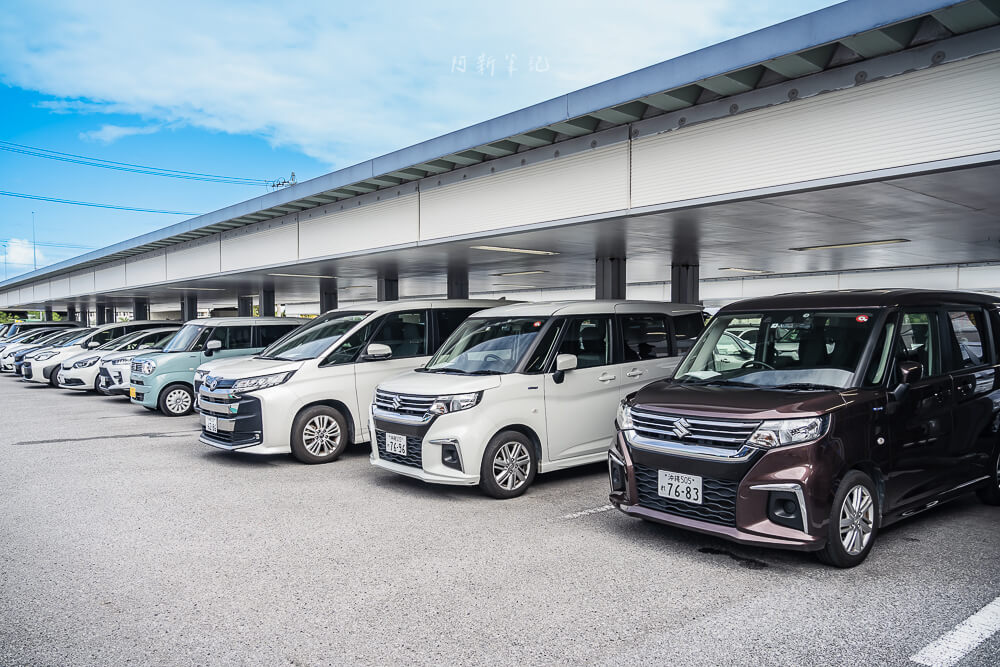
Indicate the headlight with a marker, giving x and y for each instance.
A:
(624, 417)
(456, 403)
(778, 432)
(259, 382)
(148, 367)
(200, 375)
(44, 355)
(86, 363)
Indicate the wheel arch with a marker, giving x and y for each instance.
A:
(527, 432)
(339, 406)
(874, 472)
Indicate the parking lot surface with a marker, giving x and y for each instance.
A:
(124, 540)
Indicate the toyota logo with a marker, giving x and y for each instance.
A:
(681, 428)
(396, 403)
(211, 383)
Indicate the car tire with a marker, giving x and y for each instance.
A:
(319, 435)
(176, 400)
(509, 465)
(54, 379)
(991, 494)
(853, 522)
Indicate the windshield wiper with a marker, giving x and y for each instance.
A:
(450, 371)
(808, 386)
(719, 381)
(484, 372)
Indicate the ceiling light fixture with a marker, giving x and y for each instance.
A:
(298, 275)
(736, 268)
(851, 245)
(356, 286)
(523, 251)
(198, 289)
(521, 273)
(513, 285)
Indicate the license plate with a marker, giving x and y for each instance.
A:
(678, 486)
(211, 424)
(395, 444)
(131, 392)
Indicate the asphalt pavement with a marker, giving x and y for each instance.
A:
(123, 540)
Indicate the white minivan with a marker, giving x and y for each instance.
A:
(309, 393)
(524, 389)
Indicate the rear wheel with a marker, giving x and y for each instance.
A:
(853, 522)
(509, 465)
(991, 494)
(176, 400)
(319, 435)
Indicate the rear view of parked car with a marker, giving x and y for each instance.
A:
(165, 381)
(524, 389)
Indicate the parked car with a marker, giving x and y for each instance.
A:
(880, 414)
(115, 376)
(56, 339)
(26, 339)
(165, 381)
(14, 328)
(81, 372)
(309, 394)
(43, 367)
(523, 389)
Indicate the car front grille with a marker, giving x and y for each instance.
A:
(403, 404)
(693, 430)
(718, 498)
(137, 367)
(414, 451)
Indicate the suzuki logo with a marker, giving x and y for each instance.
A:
(681, 428)
(396, 403)
(211, 383)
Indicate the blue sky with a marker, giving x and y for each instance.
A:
(259, 90)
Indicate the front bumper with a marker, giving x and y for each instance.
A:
(34, 371)
(738, 504)
(238, 420)
(77, 378)
(427, 444)
(147, 390)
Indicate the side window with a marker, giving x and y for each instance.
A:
(104, 336)
(918, 341)
(686, 329)
(448, 319)
(589, 338)
(233, 338)
(880, 365)
(348, 351)
(265, 335)
(646, 337)
(404, 333)
(967, 333)
(537, 362)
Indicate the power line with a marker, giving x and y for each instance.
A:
(133, 168)
(46, 244)
(87, 203)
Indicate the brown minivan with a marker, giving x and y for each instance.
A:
(850, 411)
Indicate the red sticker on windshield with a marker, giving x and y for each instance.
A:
(538, 324)
(862, 318)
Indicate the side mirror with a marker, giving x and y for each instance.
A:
(377, 352)
(211, 347)
(909, 372)
(564, 362)
(93, 344)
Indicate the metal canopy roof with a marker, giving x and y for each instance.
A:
(846, 33)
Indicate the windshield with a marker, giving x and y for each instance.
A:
(188, 335)
(486, 346)
(157, 342)
(122, 340)
(74, 337)
(791, 350)
(311, 340)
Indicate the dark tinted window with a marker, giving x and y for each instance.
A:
(537, 362)
(967, 334)
(404, 333)
(234, 338)
(448, 320)
(686, 330)
(271, 333)
(918, 341)
(106, 335)
(645, 337)
(348, 351)
(589, 338)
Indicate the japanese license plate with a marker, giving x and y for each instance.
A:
(131, 392)
(211, 424)
(678, 486)
(395, 444)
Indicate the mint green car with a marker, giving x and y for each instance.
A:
(165, 381)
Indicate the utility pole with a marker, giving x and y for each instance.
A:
(34, 245)
(5, 246)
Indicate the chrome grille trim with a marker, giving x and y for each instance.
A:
(408, 405)
(662, 426)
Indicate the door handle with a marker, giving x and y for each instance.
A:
(635, 372)
(606, 378)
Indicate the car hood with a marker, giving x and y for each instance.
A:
(439, 384)
(738, 402)
(244, 367)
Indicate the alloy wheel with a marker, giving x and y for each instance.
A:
(511, 465)
(321, 435)
(178, 401)
(857, 518)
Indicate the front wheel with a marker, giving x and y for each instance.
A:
(319, 435)
(991, 494)
(176, 400)
(509, 465)
(853, 522)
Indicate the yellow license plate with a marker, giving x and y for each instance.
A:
(131, 392)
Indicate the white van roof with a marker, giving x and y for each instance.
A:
(382, 307)
(593, 307)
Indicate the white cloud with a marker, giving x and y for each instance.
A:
(18, 254)
(112, 133)
(341, 81)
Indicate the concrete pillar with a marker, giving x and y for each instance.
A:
(327, 294)
(610, 278)
(458, 282)
(266, 308)
(388, 287)
(244, 306)
(684, 283)
(189, 307)
(102, 313)
(70, 312)
(47, 316)
(140, 309)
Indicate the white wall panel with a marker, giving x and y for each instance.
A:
(943, 278)
(26, 294)
(594, 181)
(81, 282)
(771, 286)
(4, 299)
(262, 244)
(195, 258)
(41, 291)
(373, 225)
(939, 113)
(979, 277)
(59, 287)
(653, 292)
(110, 276)
(148, 268)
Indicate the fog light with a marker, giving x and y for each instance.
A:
(616, 473)
(450, 458)
(783, 509)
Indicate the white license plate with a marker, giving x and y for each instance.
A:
(395, 443)
(678, 486)
(211, 424)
